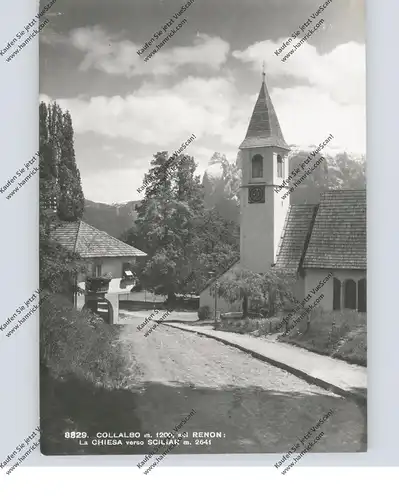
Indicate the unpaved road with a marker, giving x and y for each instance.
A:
(255, 406)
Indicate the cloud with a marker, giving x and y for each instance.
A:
(340, 72)
(114, 185)
(115, 55)
(307, 116)
(164, 117)
(329, 96)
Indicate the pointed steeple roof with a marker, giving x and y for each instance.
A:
(264, 128)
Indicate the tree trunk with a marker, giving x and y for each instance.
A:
(171, 300)
(245, 307)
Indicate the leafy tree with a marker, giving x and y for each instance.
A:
(71, 201)
(271, 289)
(208, 190)
(276, 287)
(222, 193)
(219, 245)
(165, 224)
(183, 239)
(241, 285)
(58, 266)
(334, 172)
(231, 175)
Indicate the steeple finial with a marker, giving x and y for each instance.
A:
(264, 128)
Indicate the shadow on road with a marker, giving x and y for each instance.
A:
(250, 419)
(76, 405)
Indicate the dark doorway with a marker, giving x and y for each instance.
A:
(350, 294)
(337, 295)
(362, 295)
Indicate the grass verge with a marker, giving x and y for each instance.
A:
(338, 334)
(83, 374)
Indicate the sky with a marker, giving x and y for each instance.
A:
(203, 81)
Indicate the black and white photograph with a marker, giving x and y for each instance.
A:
(203, 246)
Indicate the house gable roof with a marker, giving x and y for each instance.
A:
(90, 242)
(339, 235)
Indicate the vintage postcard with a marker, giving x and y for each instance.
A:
(203, 256)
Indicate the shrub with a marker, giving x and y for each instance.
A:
(83, 380)
(353, 348)
(204, 312)
(269, 325)
(340, 334)
(250, 325)
(257, 309)
(78, 343)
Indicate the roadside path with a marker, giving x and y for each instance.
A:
(332, 374)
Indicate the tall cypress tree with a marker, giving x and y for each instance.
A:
(59, 187)
(71, 202)
(59, 174)
(49, 189)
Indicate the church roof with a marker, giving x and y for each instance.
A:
(295, 236)
(264, 128)
(339, 234)
(90, 242)
(330, 235)
(220, 272)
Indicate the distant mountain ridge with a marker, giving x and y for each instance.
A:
(221, 184)
(114, 218)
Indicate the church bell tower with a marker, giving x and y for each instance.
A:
(264, 161)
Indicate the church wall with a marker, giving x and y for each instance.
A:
(206, 299)
(312, 279)
(314, 276)
(298, 289)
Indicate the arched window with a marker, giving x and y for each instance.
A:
(350, 294)
(280, 166)
(362, 295)
(257, 166)
(337, 295)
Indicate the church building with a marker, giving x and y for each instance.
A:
(324, 244)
